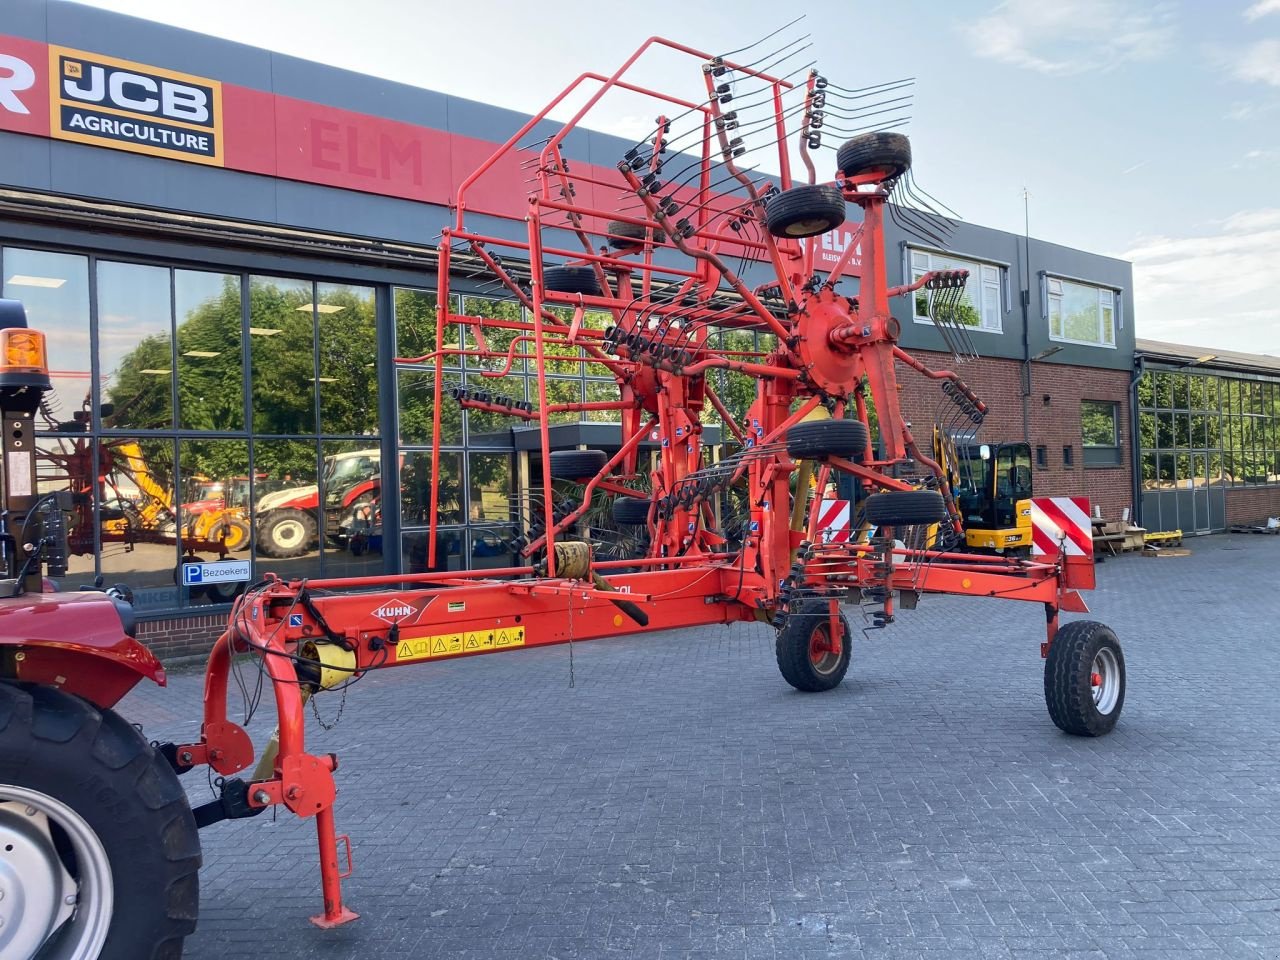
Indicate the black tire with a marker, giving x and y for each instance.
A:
(1075, 704)
(631, 511)
(889, 153)
(901, 507)
(287, 532)
(224, 592)
(805, 211)
(127, 794)
(577, 464)
(624, 236)
(814, 439)
(571, 280)
(803, 663)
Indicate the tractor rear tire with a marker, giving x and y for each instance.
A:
(577, 464)
(287, 532)
(1084, 679)
(805, 211)
(631, 511)
(897, 508)
(814, 439)
(889, 153)
(114, 818)
(630, 236)
(804, 652)
(571, 280)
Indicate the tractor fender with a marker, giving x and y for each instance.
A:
(78, 642)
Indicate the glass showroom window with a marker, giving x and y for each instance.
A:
(982, 306)
(1080, 312)
(147, 421)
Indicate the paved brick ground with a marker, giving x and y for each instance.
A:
(682, 801)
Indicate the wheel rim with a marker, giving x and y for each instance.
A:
(821, 655)
(288, 534)
(807, 228)
(1104, 680)
(237, 536)
(62, 903)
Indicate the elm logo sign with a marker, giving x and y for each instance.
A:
(130, 106)
(16, 75)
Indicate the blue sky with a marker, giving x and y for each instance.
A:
(1148, 131)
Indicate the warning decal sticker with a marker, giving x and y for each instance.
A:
(448, 644)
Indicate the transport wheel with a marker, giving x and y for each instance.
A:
(889, 153)
(813, 439)
(577, 464)
(571, 280)
(805, 211)
(233, 532)
(99, 856)
(287, 532)
(629, 510)
(804, 649)
(898, 507)
(1084, 678)
(624, 236)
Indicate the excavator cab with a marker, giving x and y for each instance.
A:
(992, 485)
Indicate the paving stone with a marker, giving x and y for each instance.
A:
(680, 800)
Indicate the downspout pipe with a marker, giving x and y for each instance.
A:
(1135, 473)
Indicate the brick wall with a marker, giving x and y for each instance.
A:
(1054, 424)
(1252, 505)
(182, 636)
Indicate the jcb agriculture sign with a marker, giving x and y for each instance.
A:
(130, 106)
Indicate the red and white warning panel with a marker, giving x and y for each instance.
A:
(833, 524)
(1061, 523)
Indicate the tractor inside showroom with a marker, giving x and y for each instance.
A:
(290, 521)
(684, 251)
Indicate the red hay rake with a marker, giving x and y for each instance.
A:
(632, 269)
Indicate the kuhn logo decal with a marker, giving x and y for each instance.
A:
(401, 611)
(395, 610)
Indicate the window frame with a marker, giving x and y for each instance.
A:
(1115, 423)
(1049, 298)
(982, 284)
(1102, 455)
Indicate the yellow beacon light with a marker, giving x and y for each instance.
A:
(23, 351)
(24, 360)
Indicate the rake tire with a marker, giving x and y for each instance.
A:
(805, 211)
(814, 439)
(896, 508)
(889, 153)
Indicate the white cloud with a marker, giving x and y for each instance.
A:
(1262, 8)
(1259, 63)
(1072, 36)
(1253, 159)
(1213, 289)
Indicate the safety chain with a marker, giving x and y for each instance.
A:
(342, 705)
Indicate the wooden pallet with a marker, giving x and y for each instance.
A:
(1151, 550)
(1245, 528)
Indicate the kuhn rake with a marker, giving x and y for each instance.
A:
(673, 269)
